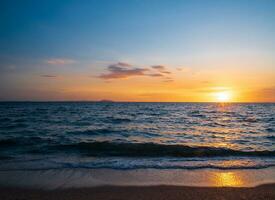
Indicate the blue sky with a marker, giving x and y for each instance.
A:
(94, 34)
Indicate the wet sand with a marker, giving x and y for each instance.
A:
(146, 184)
(87, 178)
(264, 192)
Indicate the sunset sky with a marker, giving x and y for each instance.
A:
(137, 50)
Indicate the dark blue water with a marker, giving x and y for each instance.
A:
(136, 135)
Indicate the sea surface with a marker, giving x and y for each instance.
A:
(69, 135)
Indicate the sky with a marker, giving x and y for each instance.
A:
(137, 50)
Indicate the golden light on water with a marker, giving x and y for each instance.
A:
(228, 179)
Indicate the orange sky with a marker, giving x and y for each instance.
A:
(176, 51)
(154, 84)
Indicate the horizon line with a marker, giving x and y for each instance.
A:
(113, 101)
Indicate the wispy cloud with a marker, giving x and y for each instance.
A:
(60, 61)
(155, 75)
(168, 80)
(123, 70)
(123, 64)
(48, 76)
(183, 69)
(161, 69)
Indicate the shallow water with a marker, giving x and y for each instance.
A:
(136, 135)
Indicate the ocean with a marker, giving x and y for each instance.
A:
(127, 136)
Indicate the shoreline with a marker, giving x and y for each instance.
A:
(160, 192)
(81, 178)
(141, 184)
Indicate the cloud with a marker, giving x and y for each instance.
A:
(168, 79)
(123, 64)
(123, 70)
(60, 61)
(48, 76)
(161, 69)
(166, 72)
(156, 75)
(183, 69)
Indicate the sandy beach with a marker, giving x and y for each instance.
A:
(146, 184)
(264, 192)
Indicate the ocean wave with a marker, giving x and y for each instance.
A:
(13, 126)
(119, 163)
(132, 167)
(7, 142)
(154, 150)
(5, 119)
(101, 132)
(270, 130)
(117, 120)
(23, 141)
(272, 137)
(4, 157)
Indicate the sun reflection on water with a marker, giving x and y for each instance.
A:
(226, 179)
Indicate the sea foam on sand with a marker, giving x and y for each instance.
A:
(72, 178)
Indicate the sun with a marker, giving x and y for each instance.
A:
(224, 96)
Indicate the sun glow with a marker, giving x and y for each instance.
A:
(224, 96)
(228, 179)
